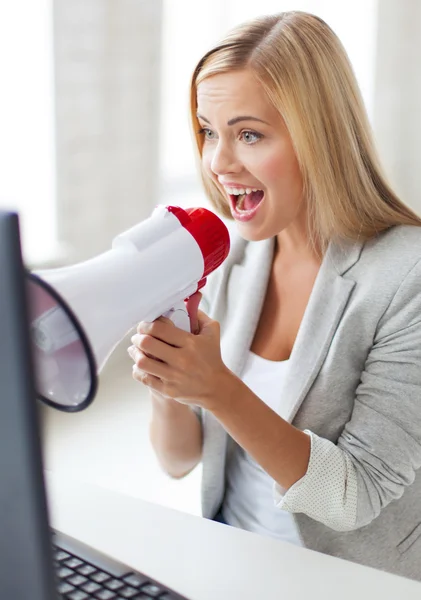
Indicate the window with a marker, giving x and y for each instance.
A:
(27, 123)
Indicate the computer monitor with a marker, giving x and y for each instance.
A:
(25, 547)
(27, 543)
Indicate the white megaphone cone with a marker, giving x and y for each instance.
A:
(80, 313)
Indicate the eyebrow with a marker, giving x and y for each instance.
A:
(235, 120)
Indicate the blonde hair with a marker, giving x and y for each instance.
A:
(307, 75)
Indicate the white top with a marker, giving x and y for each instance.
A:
(249, 501)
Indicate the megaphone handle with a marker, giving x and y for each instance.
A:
(179, 316)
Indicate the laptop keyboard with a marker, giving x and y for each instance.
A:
(83, 573)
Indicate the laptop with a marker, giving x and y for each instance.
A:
(37, 563)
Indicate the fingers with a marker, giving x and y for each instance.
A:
(145, 364)
(192, 305)
(152, 382)
(163, 329)
(143, 377)
(152, 347)
(203, 318)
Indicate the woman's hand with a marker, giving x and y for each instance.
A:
(176, 364)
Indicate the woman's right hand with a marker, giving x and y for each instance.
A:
(175, 431)
(192, 306)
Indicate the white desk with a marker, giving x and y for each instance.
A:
(205, 560)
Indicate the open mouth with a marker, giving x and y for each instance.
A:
(245, 203)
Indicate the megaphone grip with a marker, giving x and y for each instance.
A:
(179, 316)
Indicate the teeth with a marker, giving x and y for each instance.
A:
(240, 191)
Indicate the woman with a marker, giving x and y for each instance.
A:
(306, 411)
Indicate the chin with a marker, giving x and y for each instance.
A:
(253, 235)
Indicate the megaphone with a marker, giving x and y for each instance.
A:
(79, 314)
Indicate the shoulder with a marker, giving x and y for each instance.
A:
(392, 254)
(401, 240)
(388, 273)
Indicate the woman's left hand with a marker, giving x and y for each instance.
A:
(180, 365)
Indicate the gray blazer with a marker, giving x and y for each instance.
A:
(354, 379)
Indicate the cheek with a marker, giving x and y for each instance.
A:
(206, 162)
(280, 168)
(271, 170)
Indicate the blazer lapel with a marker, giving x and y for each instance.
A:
(246, 290)
(327, 302)
(238, 307)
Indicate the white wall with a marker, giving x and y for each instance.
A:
(397, 119)
(107, 77)
(79, 112)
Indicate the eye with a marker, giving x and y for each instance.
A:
(250, 137)
(207, 133)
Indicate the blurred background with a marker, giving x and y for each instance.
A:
(94, 133)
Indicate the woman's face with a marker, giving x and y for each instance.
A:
(246, 147)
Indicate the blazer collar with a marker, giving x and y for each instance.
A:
(343, 254)
(247, 287)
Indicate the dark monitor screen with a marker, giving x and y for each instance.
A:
(25, 548)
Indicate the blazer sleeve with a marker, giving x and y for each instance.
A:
(347, 484)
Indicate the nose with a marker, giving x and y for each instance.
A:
(224, 160)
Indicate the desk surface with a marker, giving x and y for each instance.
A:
(205, 560)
